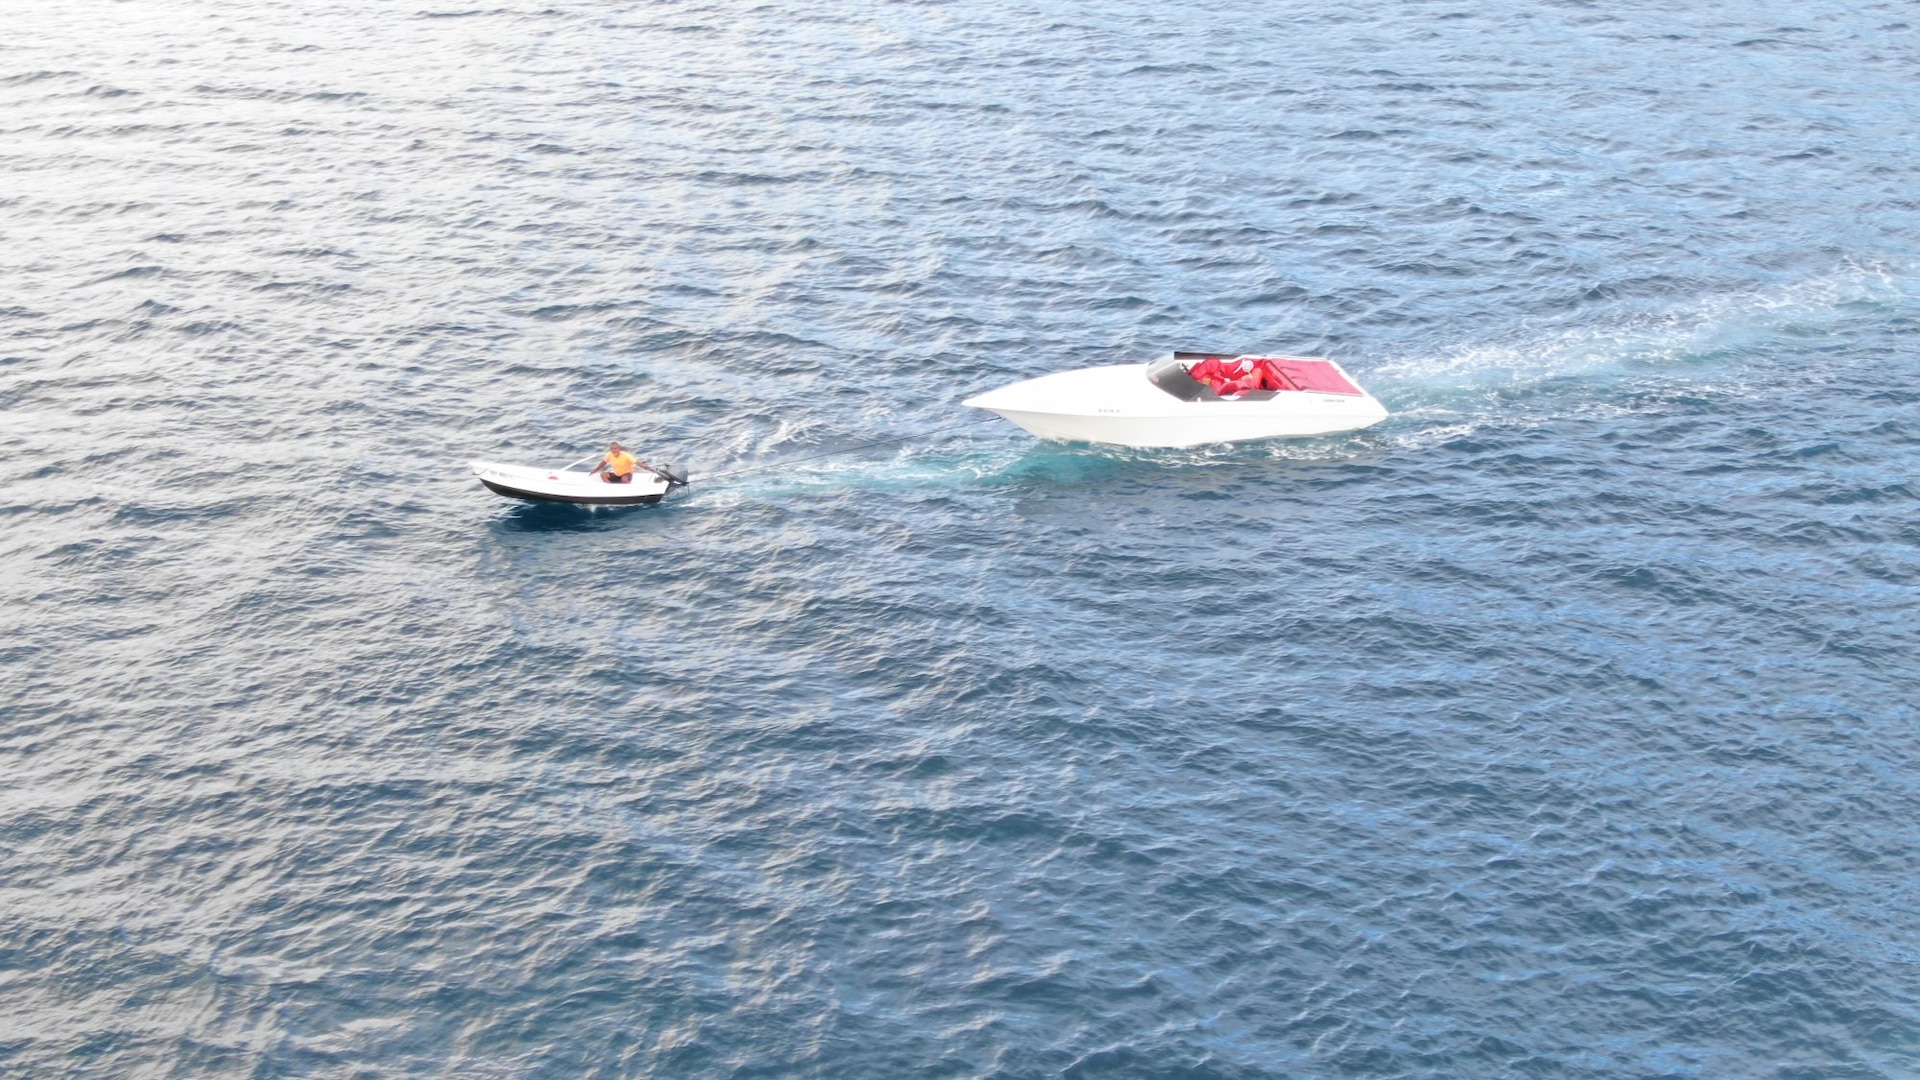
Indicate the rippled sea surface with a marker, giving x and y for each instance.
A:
(1564, 725)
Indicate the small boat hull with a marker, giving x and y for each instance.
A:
(560, 486)
(1123, 405)
(582, 500)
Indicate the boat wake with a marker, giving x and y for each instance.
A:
(1730, 346)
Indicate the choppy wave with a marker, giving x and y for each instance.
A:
(1561, 725)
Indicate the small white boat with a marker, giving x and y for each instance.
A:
(577, 483)
(1184, 400)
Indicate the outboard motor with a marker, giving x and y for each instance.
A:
(672, 474)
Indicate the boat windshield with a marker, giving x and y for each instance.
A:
(1171, 375)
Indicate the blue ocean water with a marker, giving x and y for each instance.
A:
(1562, 726)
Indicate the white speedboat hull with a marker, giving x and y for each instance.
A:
(1122, 405)
(561, 486)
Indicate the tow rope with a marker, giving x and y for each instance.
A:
(847, 450)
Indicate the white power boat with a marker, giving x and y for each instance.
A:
(577, 483)
(1189, 399)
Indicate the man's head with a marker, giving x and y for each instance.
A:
(612, 447)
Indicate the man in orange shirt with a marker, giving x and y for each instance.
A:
(617, 467)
